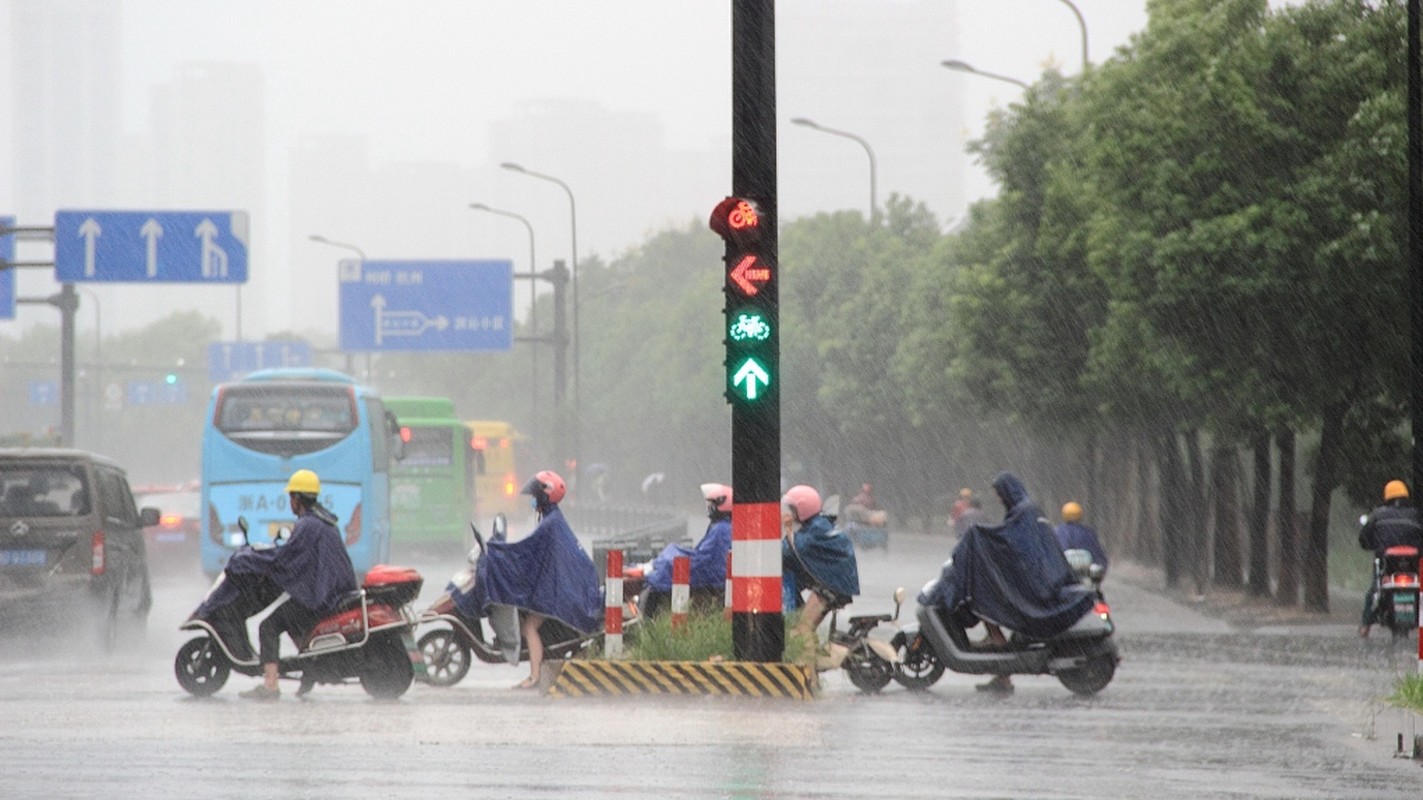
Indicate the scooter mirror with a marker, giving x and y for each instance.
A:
(478, 539)
(899, 596)
(500, 526)
(242, 525)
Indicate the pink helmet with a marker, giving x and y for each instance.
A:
(546, 483)
(718, 496)
(803, 501)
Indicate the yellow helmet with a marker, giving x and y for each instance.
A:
(1071, 511)
(1393, 490)
(304, 481)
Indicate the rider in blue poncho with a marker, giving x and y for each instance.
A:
(1010, 575)
(708, 558)
(545, 574)
(815, 558)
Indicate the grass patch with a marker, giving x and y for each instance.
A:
(705, 637)
(1409, 693)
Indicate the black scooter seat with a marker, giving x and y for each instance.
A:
(870, 618)
(348, 601)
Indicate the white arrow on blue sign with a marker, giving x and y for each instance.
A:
(151, 246)
(426, 305)
(228, 361)
(7, 276)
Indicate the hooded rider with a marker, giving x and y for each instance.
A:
(708, 558)
(815, 558)
(313, 570)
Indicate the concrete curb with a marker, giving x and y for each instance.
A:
(582, 678)
(1402, 730)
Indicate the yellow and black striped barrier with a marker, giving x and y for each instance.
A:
(580, 678)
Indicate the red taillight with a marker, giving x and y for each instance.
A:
(353, 527)
(509, 488)
(170, 521)
(1101, 608)
(96, 546)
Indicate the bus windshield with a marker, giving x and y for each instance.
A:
(286, 419)
(427, 447)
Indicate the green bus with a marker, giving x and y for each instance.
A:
(432, 489)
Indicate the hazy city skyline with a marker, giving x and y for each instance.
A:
(378, 124)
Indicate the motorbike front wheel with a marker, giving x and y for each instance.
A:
(1091, 678)
(868, 670)
(918, 667)
(201, 667)
(446, 657)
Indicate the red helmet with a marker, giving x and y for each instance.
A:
(547, 483)
(718, 496)
(803, 501)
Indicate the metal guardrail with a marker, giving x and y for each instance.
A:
(640, 532)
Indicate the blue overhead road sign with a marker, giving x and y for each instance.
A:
(7, 276)
(426, 305)
(151, 246)
(228, 361)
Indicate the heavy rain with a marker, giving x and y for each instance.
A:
(1149, 256)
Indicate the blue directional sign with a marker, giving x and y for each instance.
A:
(151, 246)
(426, 305)
(7, 276)
(228, 361)
(44, 393)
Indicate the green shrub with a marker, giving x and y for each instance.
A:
(706, 636)
(1409, 693)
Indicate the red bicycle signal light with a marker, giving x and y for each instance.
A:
(737, 219)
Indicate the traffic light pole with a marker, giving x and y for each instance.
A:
(757, 622)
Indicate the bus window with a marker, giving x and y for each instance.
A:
(427, 447)
(294, 421)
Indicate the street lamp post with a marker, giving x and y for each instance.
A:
(533, 307)
(573, 219)
(964, 66)
(1081, 23)
(316, 237)
(97, 394)
(874, 207)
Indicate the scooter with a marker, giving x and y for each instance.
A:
(869, 663)
(369, 638)
(1083, 658)
(447, 650)
(1396, 602)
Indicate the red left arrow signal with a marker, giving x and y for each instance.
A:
(749, 276)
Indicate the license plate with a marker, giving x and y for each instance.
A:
(22, 558)
(171, 537)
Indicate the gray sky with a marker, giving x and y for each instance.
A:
(427, 81)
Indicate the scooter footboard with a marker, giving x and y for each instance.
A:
(960, 658)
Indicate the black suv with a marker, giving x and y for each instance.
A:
(71, 542)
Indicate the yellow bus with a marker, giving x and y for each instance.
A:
(496, 474)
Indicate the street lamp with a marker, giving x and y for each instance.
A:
(1081, 23)
(964, 66)
(316, 237)
(533, 303)
(874, 207)
(573, 218)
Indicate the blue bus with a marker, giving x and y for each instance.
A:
(264, 427)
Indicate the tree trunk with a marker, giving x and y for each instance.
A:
(1193, 514)
(1314, 565)
(1286, 525)
(1225, 518)
(1260, 517)
(1170, 507)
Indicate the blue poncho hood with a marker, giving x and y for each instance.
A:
(1012, 574)
(546, 572)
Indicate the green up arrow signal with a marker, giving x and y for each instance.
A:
(750, 373)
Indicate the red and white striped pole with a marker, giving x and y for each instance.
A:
(681, 590)
(613, 607)
(726, 601)
(757, 626)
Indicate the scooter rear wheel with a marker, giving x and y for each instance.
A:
(1091, 677)
(446, 657)
(387, 671)
(868, 671)
(201, 667)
